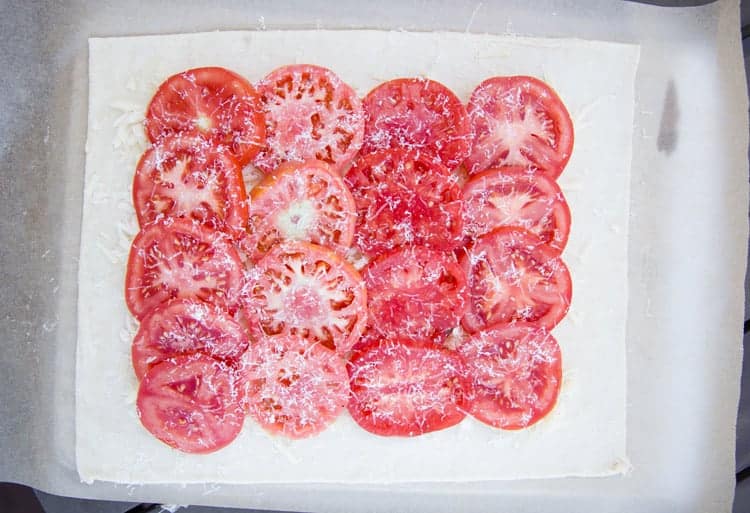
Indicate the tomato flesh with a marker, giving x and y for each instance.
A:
(308, 291)
(300, 201)
(184, 177)
(214, 103)
(403, 388)
(519, 121)
(191, 403)
(418, 114)
(513, 196)
(515, 373)
(185, 327)
(404, 199)
(177, 258)
(310, 113)
(294, 389)
(415, 293)
(513, 276)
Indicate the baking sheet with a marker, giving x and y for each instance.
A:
(687, 250)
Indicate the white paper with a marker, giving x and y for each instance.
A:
(585, 433)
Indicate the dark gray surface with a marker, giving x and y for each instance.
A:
(33, 293)
(742, 491)
(56, 504)
(18, 499)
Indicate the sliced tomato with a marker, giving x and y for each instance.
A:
(403, 388)
(513, 276)
(513, 196)
(310, 114)
(191, 403)
(186, 326)
(178, 258)
(514, 375)
(301, 201)
(417, 114)
(404, 198)
(184, 176)
(519, 121)
(294, 388)
(415, 293)
(215, 103)
(306, 290)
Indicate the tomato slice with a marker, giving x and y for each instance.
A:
(514, 373)
(185, 327)
(513, 196)
(403, 388)
(418, 114)
(519, 121)
(415, 293)
(191, 403)
(310, 114)
(301, 201)
(404, 198)
(513, 276)
(215, 103)
(183, 176)
(178, 258)
(309, 291)
(294, 389)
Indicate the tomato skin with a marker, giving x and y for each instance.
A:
(179, 169)
(404, 198)
(519, 121)
(310, 114)
(514, 196)
(214, 103)
(405, 388)
(305, 290)
(184, 327)
(300, 201)
(179, 259)
(513, 276)
(418, 114)
(514, 374)
(415, 293)
(294, 388)
(191, 403)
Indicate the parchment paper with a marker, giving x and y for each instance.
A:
(687, 249)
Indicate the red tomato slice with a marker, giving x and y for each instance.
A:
(402, 388)
(310, 114)
(519, 121)
(215, 103)
(514, 374)
(177, 258)
(418, 114)
(403, 198)
(513, 196)
(513, 276)
(308, 291)
(183, 176)
(185, 327)
(294, 389)
(301, 201)
(191, 403)
(415, 293)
